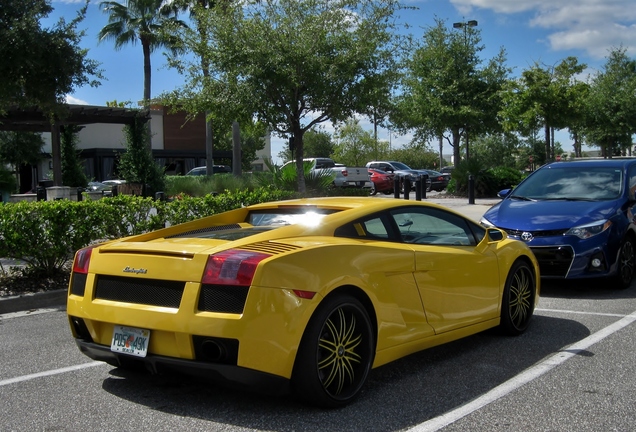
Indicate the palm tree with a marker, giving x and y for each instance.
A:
(143, 21)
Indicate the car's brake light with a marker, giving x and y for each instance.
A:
(82, 260)
(232, 267)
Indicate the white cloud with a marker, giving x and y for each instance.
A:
(593, 26)
(75, 101)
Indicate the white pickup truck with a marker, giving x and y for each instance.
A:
(345, 176)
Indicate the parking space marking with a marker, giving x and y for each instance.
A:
(524, 377)
(49, 373)
(580, 312)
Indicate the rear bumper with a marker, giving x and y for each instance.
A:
(237, 376)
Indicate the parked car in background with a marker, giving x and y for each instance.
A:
(447, 172)
(437, 181)
(304, 295)
(98, 186)
(399, 169)
(381, 181)
(113, 182)
(343, 176)
(216, 169)
(577, 217)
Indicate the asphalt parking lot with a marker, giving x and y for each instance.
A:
(573, 370)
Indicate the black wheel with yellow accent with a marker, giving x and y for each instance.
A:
(518, 299)
(336, 353)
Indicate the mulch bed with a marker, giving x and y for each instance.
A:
(17, 281)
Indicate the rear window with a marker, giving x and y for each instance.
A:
(289, 216)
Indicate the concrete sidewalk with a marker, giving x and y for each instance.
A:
(461, 205)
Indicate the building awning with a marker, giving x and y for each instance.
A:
(35, 120)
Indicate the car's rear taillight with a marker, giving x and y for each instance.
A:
(232, 267)
(82, 260)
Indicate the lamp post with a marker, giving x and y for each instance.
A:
(464, 25)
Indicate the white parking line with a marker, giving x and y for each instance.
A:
(579, 312)
(49, 373)
(523, 378)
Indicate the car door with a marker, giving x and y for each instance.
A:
(458, 279)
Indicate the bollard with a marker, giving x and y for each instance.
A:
(79, 193)
(418, 189)
(396, 186)
(471, 189)
(424, 185)
(407, 187)
(41, 193)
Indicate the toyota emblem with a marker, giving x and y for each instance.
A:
(526, 236)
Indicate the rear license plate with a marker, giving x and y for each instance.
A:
(130, 340)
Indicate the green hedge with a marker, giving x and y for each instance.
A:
(46, 234)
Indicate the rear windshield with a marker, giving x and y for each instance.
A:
(287, 216)
(565, 183)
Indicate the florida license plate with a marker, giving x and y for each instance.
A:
(130, 340)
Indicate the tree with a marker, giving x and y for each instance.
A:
(355, 146)
(497, 149)
(140, 21)
(72, 168)
(252, 140)
(544, 96)
(318, 143)
(20, 148)
(40, 66)
(294, 63)
(446, 88)
(416, 155)
(136, 165)
(611, 105)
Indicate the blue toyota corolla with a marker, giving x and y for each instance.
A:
(577, 217)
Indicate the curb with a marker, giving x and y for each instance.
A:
(25, 302)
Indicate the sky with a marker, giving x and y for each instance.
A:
(530, 31)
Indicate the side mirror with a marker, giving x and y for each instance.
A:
(494, 234)
(504, 193)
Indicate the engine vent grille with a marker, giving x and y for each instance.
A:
(140, 291)
(270, 247)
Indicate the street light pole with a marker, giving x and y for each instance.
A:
(464, 25)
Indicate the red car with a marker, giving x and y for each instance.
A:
(381, 181)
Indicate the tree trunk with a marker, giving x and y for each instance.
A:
(547, 143)
(456, 145)
(300, 169)
(146, 49)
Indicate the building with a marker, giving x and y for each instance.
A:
(177, 144)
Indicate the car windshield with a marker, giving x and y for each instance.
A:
(401, 166)
(571, 183)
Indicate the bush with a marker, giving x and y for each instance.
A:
(484, 179)
(199, 186)
(46, 234)
(506, 177)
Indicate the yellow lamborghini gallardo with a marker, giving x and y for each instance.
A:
(303, 295)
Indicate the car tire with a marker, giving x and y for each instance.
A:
(373, 190)
(335, 355)
(517, 304)
(626, 263)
